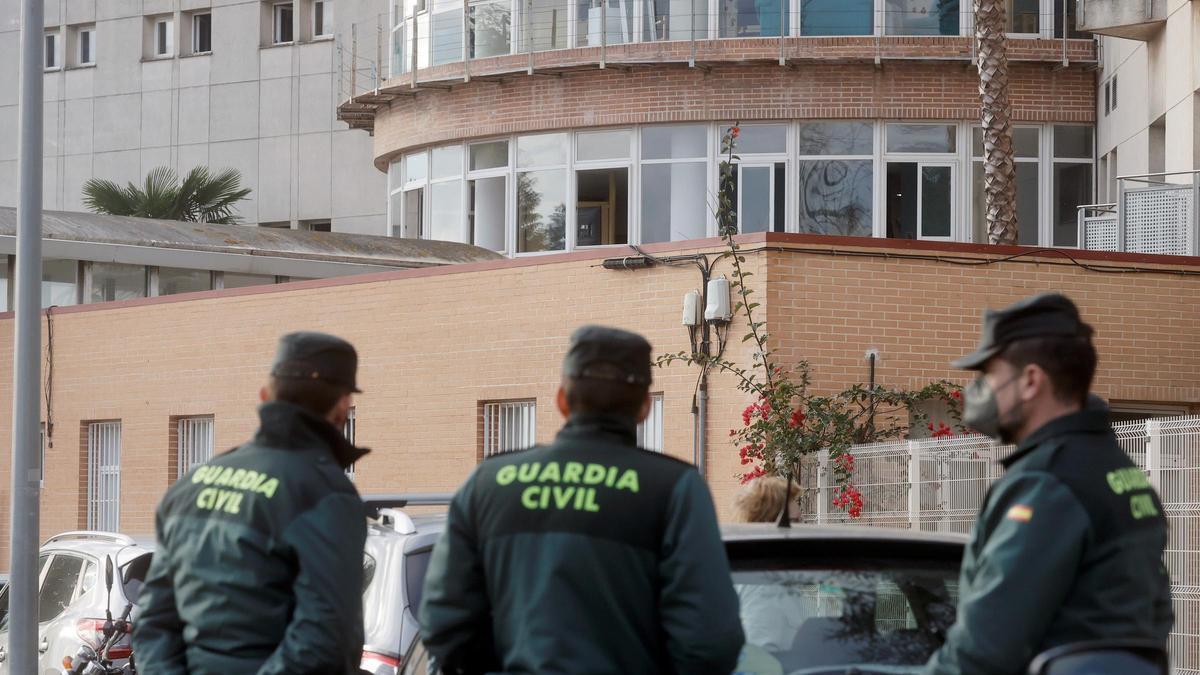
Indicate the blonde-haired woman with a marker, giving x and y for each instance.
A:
(762, 500)
(769, 618)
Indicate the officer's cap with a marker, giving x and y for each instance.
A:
(1042, 315)
(602, 353)
(317, 356)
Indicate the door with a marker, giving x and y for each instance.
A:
(42, 559)
(920, 200)
(59, 591)
(761, 195)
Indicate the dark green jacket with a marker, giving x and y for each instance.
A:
(258, 567)
(586, 556)
(1068, 548)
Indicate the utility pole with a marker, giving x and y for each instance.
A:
(26, 445)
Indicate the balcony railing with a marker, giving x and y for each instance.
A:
(1155, 213)
(1130, 19)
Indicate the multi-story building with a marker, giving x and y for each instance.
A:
(528, 126)
(247, 84)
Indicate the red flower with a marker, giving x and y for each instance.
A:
(756, 472)
(734, 131)
(797, 418)
(956, 395)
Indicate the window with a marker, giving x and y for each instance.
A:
(1107, 97)
(837, 17)
(445, 192)
(1072, 181)
(753, 18)
(674, 183)
(674, 20)
(591, 15)
(104, 476)
(194, 442)
(281, 23)
(58, 586)
(86, 45)
(1023, 17)
(51, 54)
(348, 433)
(1026, 147)
(322, 19)
(1114, 92)
(760, 189)
(487, 190)
(921, 138)
(59, 287)
(921, 17)
(446, 31)
(545, 25)
(114, 281)
(316, 226)
(602, 188)
(202, 33)
(650, 431)
(836, 172)
(491, 29)
(920, 197)
(172, 281)
(164, 37)
(542, 193)
(235, 280)
(508, 426)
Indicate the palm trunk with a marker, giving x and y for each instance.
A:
(999, 174)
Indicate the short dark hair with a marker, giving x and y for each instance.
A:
(1069, 361)
(598, 395)
(316, 396)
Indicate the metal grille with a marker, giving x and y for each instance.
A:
(1157, 220)
(195, 442)
(104, 476)
(508, 426)
(650, 431)
(348, 432)
(1100, 233)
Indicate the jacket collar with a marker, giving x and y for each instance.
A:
(614, 428)
(1082, 422)
(290, 427)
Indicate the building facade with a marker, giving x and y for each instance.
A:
(529, 126)
(247, 84)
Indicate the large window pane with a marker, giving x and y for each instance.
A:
(491, 29)
(760, 139)
(447, 34)
(112, 281)
(836, 138)
(447, 162)
(753, 18)
(761, 198)
(837, 17)
(541, 211)
(901, 197)
(591, 15)
(486, 212)
(921, 17)
(1025, 141)
(599, 145)
(493, 155)
(921, 138)
(1023, 16)
(395, 211)
(416, 167)
(542, 150)
(400, 50)
(674, 142)
(58, 587)
(1027, 204)
(1074, 142)
(59, 282)
(173, 280)
(1072, 187)
(936, 201)
(414, 214)
(602, 213)
(836, 197)
(674, 19)
(446, 217)
(547, 26)
(674, 203)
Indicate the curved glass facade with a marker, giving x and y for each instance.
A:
(540, 193)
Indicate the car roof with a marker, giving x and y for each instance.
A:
(745, 532)
(99, 544)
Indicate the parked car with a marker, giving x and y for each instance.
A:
(826, 600)
(394, 563)
(71, 593)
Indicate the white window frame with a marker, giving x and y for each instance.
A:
(195, 441)
(407, 186)
(104, 476)
(793, 223)
(89, 32)
(636, 176)
(757, 160)
(1051, 164)
(196, 33)
(505, 172)
(164, 27)
(349, 431)
(509, 426)
(56, 52)
(463, 229)
(958, 230)
(650, 431)
(323, 8)
(277, 23)
(568, 192)
(1045, 191)
(631, 191)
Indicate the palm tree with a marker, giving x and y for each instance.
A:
(999, 174)
(203, 197)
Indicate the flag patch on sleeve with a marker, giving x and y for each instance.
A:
(1020, 513)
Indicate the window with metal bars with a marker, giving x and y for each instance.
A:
(194, 441)
(348, 432)
(508, 426)
(104, 476)
(650, 431)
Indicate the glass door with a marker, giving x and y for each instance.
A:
(761, 197)
(920, 200)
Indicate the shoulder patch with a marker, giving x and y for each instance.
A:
(1020, 513)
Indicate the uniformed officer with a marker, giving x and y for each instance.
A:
(258, 567)
(1068, 546)
(588, 555)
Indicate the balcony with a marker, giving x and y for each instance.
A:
(1155, 214)
(1130, 19)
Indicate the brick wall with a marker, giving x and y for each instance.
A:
(435, 343)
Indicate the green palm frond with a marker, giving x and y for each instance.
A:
(202, 196)
(216, 197)
(105, 196)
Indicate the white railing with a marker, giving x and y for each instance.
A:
(1155, 213)
(939, 485)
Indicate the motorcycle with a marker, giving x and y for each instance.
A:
(94, 658)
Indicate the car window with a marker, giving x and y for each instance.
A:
(842, 619)
(88, 581)
(368, 571)
(58, 586)
(4, 593)
(416, 564)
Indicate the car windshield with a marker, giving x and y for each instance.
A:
(860, 618)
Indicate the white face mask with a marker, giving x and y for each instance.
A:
(981, 411)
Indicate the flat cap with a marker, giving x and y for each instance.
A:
(317, 356)
(602, 353)
(1042, 315)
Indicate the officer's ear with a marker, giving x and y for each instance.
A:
(564, 406)
(264, 394)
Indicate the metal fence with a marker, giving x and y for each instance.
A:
(104, 476)
(939, 485)
(508, 426)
